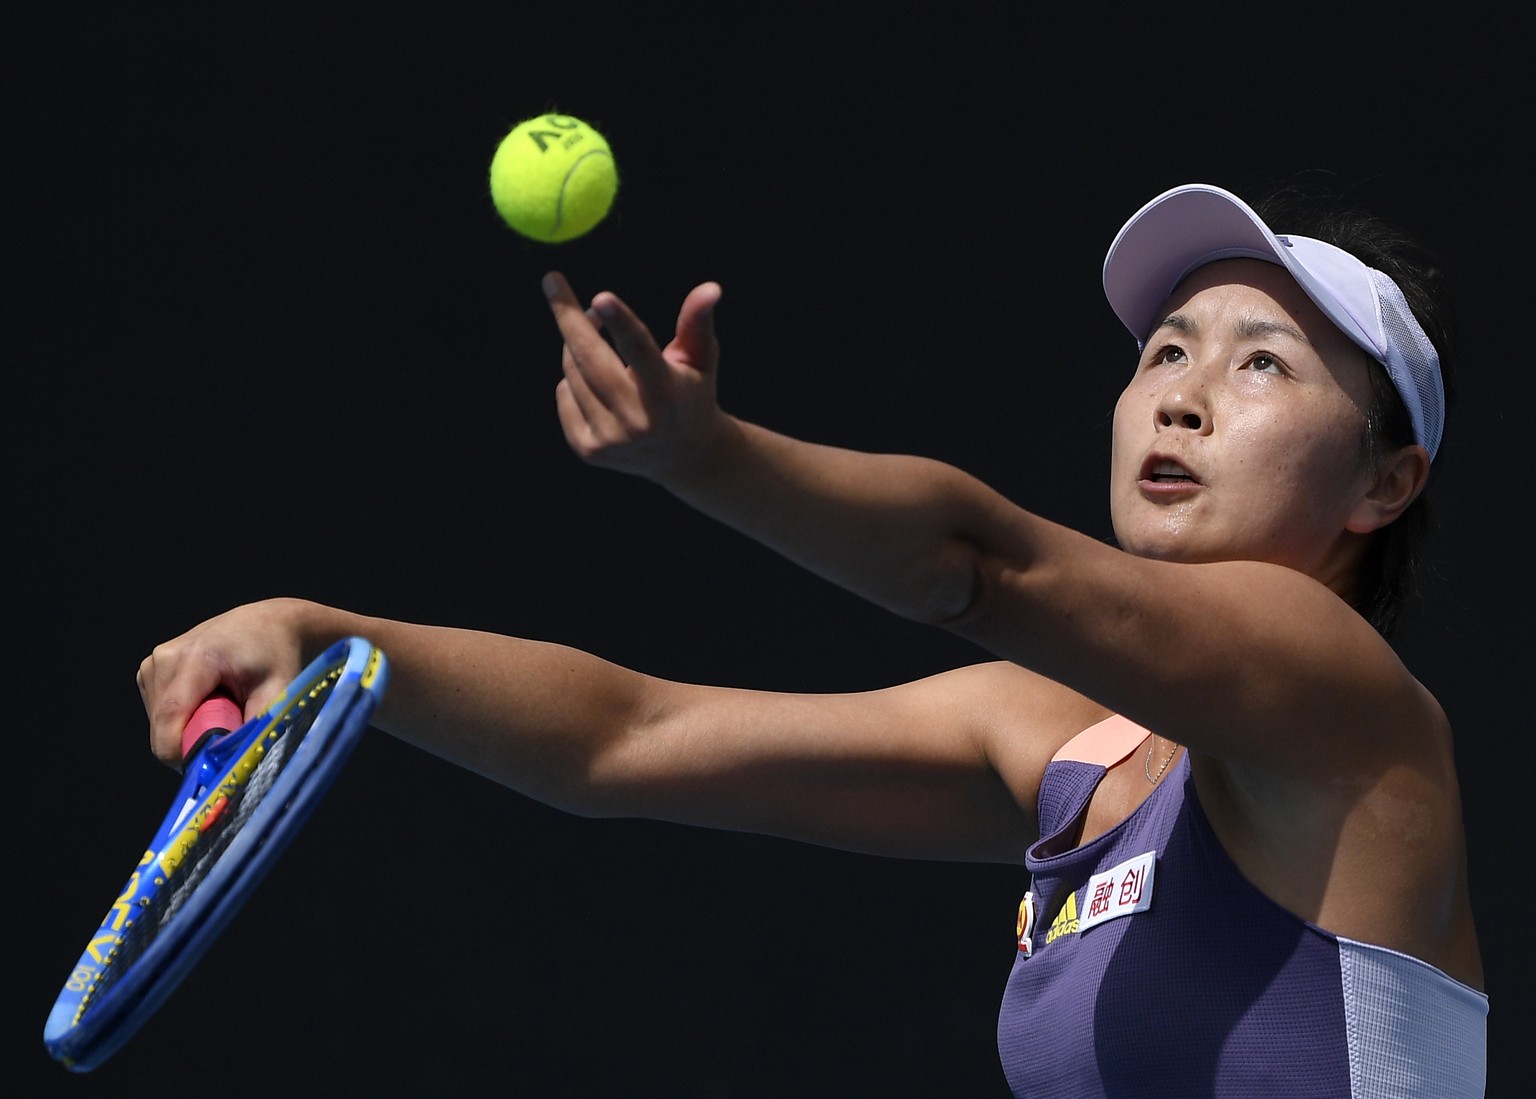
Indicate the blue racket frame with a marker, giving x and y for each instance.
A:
(92, 1018)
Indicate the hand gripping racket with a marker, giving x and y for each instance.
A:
(244, 796)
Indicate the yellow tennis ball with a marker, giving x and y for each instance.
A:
(553, 178)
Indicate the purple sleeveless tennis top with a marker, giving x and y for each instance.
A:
(1149, 966)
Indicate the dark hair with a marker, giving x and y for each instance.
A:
(1392, 572)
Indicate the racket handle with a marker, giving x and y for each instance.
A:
(217, 715)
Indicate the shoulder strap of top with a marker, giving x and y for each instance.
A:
(1105, 743)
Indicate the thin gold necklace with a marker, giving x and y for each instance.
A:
(1146, 765)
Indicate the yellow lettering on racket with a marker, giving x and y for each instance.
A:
(177, 849)
(122, 908)
(82, 978)
(91, 947)
(213, 806)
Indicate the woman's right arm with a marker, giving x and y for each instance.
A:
(942, 768)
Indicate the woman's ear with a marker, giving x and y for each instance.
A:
(1399, 480)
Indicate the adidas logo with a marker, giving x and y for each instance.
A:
(1065, 922)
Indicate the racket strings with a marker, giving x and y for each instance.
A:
(156, 911)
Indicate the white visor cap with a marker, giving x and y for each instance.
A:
(1196, 224)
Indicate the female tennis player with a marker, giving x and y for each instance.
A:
(1238, 809)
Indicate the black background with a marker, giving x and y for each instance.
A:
(256, 281)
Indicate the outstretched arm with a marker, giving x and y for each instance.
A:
(927, 769)
(1193, 650)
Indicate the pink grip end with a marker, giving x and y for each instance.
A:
(218, 714)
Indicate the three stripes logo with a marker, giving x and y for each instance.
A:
(1065, 922)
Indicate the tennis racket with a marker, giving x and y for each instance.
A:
(248, 789)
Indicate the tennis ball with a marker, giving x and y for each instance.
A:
(553, 178)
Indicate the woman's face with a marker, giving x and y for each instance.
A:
(1241, 434)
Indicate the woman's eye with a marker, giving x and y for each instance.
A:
(1170, 355)
(1266, 363)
